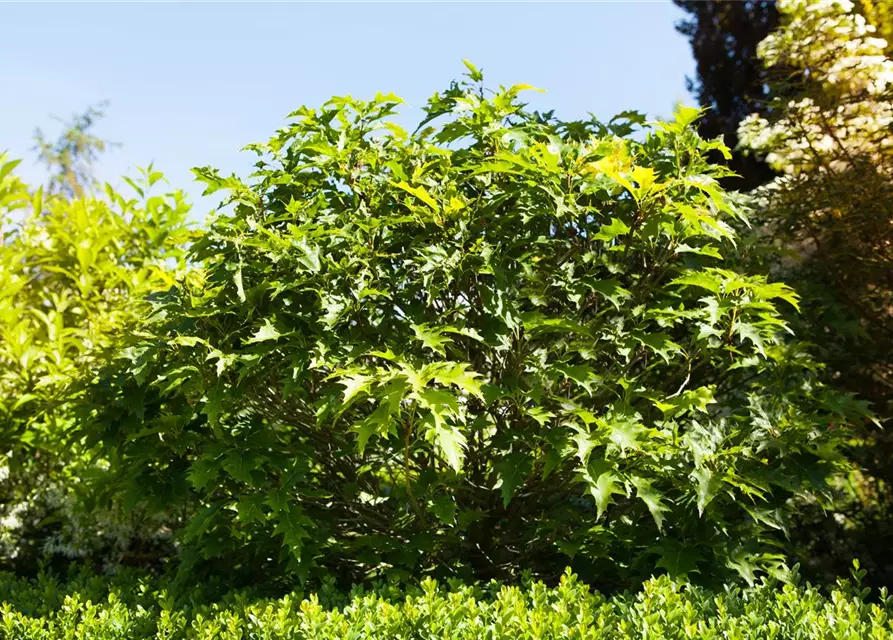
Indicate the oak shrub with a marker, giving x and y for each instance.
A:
(500, 342)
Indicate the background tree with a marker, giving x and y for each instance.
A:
(828, 220)
(70, 158)
(731, 81)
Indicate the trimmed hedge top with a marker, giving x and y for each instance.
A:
(128, 606)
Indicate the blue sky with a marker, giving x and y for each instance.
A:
(190, 84)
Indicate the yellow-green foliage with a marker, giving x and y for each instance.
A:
(133, 608)
(74, 273)
(880, 14)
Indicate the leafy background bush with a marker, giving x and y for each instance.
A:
(813, 100)
(76, 265)
(825, 221)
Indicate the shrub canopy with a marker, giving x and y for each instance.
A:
(498, 342)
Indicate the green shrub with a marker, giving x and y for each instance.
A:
(74, 274)
(501, 342)
(132, 608)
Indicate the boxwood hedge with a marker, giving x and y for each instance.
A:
(133, 606)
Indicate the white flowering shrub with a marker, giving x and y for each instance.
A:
(846, 78)
(827, 132)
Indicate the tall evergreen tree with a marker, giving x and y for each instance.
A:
(70, 157)
(731, 81)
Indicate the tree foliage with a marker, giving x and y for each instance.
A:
(500, 342)
(828, 135)
(731, 81)
(879, 15)
(70, 158)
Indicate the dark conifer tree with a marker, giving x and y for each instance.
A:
(731, 81)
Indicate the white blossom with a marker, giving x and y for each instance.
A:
(834, 48)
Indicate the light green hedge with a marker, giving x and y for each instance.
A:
(128, 606)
